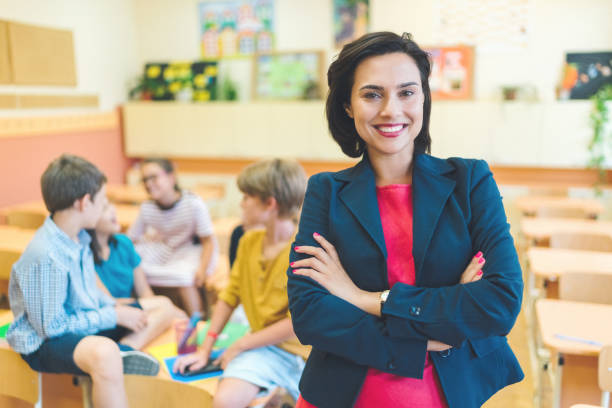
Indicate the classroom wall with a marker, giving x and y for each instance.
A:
(104, 45)
(26, 151)
(545, 132)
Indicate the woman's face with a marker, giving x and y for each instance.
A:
(157, 182)
(387, 104)
(108, 224)
(254, 211)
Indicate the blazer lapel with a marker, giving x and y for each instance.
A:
(359, 195)
(430, 192)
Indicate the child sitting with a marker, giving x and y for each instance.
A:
(118, 267)
(270, 356)
(63, 322)
(173, 235)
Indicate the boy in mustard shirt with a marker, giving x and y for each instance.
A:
(270, 355)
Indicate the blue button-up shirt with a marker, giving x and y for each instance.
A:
(53, 291)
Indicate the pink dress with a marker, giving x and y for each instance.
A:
(381, 389)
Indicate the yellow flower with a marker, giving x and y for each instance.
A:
(183, 72)
(169, 74)
(174, 87)
(202, 96)
(200, 80)
(153, 71)
(211, 70)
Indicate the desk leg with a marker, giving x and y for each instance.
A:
(605, 399)
(558, 380)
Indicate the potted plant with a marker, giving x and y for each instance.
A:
(600, 142)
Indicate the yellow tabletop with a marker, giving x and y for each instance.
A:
(574, 327)
(552, 262)
(530, 204)
(543, 228)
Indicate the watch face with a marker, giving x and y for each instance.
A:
(384, 296)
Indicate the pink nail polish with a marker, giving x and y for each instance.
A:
(481, 260)
(292, 263)
(297, 248)
(316, 234)
(479, 273)
(479, 254)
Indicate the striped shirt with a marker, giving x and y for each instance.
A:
(167, 240)
(53, 291)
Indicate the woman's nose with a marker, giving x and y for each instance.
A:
(391, 107)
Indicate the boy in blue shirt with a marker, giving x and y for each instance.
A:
(63, 322)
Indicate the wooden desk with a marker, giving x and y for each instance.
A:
(136, 194)
(550, 263)
(576, 362)
(529, 205)
(126, 213)
(540, 229)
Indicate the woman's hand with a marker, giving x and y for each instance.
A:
(324, 267)
(192, 361)
(434, 345)
(473, 272)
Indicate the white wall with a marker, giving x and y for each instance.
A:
(104, 42)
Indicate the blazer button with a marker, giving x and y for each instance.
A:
(445, 353)
(415, 310)
(391, 365)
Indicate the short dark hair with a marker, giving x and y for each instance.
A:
(341, 76)
(166, 166)
(69, 178)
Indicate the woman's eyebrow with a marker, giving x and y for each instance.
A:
(380, 88)
(404, 85)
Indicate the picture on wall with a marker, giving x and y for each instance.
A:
(288, 75)
(585, 73)
(236, 27)
(351, 20)
(186, 81)
(452, 72)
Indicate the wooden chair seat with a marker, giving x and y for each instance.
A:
(17, 379)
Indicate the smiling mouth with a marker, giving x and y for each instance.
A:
(391, 130)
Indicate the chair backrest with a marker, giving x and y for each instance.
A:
(25, 219)
(588, 287)
(587, 242)
(562, 212)
(155, 392)
(17, 379)
(605, 368)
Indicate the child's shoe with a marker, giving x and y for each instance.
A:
(137, 362)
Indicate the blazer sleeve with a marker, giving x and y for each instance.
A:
(485, 308)
(333, 325)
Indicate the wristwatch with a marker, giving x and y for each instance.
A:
(383, 298)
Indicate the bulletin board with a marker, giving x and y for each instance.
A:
(289, 75)
(5, 66)
(41, 56)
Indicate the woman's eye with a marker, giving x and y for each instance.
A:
(406, 92)
(371, 95)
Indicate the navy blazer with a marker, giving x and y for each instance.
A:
(458, 211)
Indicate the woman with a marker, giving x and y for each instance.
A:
(383, 282)
(173, 235)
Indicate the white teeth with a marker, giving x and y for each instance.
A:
(391, 129)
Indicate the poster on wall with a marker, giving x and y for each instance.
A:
(185, 81)
(236, 27)
(452, 72)
(585, 73)
(351, 20)
(289, 75)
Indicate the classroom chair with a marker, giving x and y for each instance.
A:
(585, 242)
(155, 392)
(567, 212)
(18, 380)
(604, 376)
(588, 287)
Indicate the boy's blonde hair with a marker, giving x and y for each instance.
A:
(285, 180)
